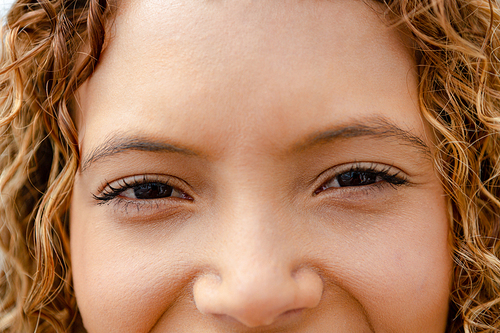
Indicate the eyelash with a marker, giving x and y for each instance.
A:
(112, 192)
(387, 175)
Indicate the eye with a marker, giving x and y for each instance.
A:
(151, 191)
(142, 188)
(361, 175)
(356, 178)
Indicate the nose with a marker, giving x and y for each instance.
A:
(258, 273)
(258, 295)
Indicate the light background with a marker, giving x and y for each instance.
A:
(4, 6)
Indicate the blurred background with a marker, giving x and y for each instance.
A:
(4, 6)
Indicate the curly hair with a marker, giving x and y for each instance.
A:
(457, 47)
(50, 47)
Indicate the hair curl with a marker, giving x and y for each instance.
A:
(50, 47)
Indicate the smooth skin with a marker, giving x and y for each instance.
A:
(257, 166)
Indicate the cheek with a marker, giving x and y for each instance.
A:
(119, 276)
(116, 283)
(399, 265)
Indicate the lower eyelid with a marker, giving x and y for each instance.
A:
(150, 211)
(165, 203)
(358, 194)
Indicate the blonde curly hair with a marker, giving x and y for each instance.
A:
(50, 47)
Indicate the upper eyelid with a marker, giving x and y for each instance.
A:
(368, 166)
(359, 166)
(335, 171)
(131, 181)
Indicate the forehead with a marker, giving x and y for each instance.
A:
(186, 67)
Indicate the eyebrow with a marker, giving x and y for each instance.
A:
(120, 144)
(375, 127)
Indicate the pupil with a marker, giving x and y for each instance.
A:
(356, 178)
(152, 191)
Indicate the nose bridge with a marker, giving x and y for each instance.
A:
(255, 221)
(258, 223)
(256, 250)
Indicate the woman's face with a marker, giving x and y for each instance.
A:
(257, 166)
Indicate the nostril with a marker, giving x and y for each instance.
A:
(226, 318)
(258, 301)
(290, 314)
(293, 312)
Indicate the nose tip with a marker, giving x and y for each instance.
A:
(258, 299)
